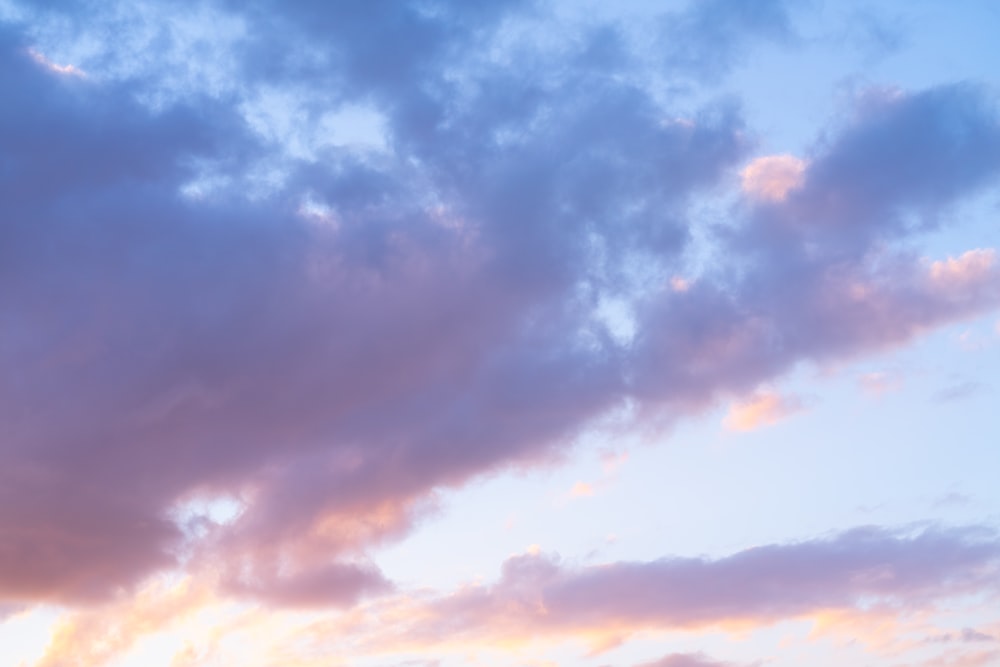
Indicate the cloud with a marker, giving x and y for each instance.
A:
(706, 38)
(539, 598)
(961, 391)
(763, 408)
(685, 660)
(772, 177)
(69, 70)
(179, 330)
(893, 168)
(963, 659)
(967, 635)
(973, 635)
(964, 272)
(95, 636)
(333, 585)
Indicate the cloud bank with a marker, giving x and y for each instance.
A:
(195, 311)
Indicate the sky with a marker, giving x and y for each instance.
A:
(513, 333)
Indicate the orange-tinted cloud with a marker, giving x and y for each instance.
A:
(763, 408)
(100, 634)
(334, 378)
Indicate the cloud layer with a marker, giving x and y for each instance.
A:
(538, 598)
(195, 311)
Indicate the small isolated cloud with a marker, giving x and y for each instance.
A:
(966, 636)
(581, 490)
(763, 408)
(772, 177)
(972, 635)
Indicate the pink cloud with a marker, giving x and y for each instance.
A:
(537, 597)
(763, 408)
(334, 378)
(772, 177)
(968, 271)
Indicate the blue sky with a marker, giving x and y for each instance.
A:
(520, 332)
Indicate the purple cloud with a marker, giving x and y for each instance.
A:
(686, 660)
(537, 596)
(705, 39)
(435, 320)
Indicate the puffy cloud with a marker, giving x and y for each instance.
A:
(966, 272)
(772, 177)
(160, 347)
